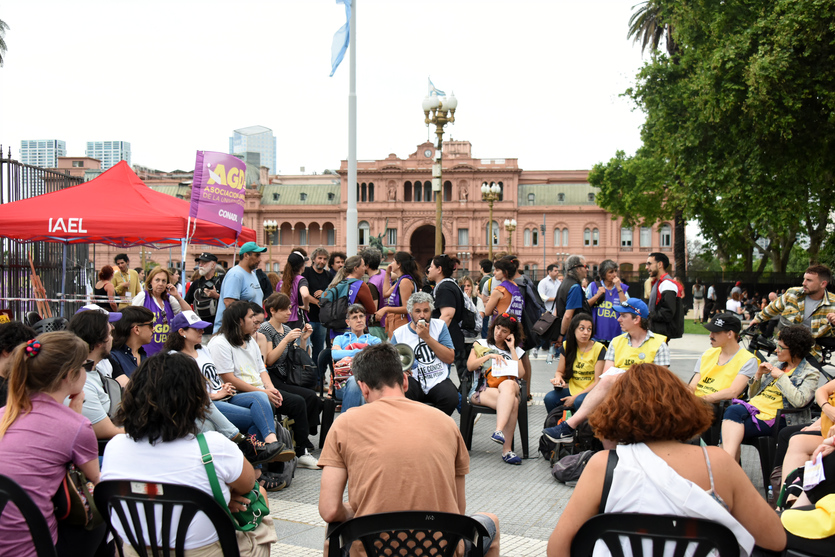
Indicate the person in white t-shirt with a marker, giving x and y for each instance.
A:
(159, 445)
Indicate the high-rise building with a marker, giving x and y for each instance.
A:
(108, 152)
(42, 152)
(255, 139)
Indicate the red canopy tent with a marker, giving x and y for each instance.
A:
(116, 208)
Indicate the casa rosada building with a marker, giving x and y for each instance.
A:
(555, 213)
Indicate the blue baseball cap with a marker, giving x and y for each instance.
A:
(635, 306)
(112, 316)
(251, 247)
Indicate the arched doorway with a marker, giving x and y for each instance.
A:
(422, 245)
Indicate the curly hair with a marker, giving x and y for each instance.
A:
(649, 403)
(511, 324)
(420, 298)
(798, 339)
(164, 399)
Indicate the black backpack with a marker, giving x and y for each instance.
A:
(546, 446)
(531, 311)
(333, 305)
(569, 468)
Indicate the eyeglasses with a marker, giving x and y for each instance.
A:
(88, 365)
(781, 348)
(150, 324)
(509, 316)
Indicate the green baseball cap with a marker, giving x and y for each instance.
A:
(251, 247)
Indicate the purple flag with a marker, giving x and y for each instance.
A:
(219, 189)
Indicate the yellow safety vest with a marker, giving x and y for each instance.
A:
(770, 400)
(714, 377)
(583, 368)
(626, 355)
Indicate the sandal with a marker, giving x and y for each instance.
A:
(271, 482)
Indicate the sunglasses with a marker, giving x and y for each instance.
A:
(578, 266)
(89, 365)
(626, 305)
(151, 324)
(509, 316)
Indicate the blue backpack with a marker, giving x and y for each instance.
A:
(333, 305)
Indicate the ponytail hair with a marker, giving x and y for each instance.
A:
(61, 355)
(350, 265)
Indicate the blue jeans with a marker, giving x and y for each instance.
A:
(251, 412)
(351, 395)
(554, 399)
(485, 325)
(217, 421)
(317, 340)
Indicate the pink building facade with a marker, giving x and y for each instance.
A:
(555, 211)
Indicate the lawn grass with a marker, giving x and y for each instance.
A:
(693, 328)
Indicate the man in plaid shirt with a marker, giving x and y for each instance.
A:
(809, 305)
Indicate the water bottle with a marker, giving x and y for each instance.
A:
(770, 495)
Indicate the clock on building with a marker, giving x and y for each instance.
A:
(428, 153)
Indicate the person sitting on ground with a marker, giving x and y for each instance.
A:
(657, 472)
(239, 361)
(367, 447)
(789, 384)
(92, 325)
(404, 278)
(130, 334)
(348, 345)
(157, 298)
(12, 334)
(104, 291)
(40, 436)
(579, 368)
(496, 391)
(723, 371)
(636, 345)
(430, 341)
(162, 404)
(250, 413)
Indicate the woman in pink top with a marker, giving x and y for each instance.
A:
(39, 437)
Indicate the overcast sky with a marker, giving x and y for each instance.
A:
(535, 80)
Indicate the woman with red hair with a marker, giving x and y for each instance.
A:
(650, 412)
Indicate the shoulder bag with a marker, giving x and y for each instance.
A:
(74, 504)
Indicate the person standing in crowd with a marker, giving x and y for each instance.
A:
(104, 291)
(710, 302)
(157, 298)
(294, 285)
(12, 334)
(662, 298)
(318, 280)
(141, 273)
(698, 292)
(354, 268)
(204, 293)
(125, 280)
(486, 274)
(174, 273)
(335, 262)
(376, 282)
(449, 305)
(241, 282)
(40, 436)
(605, 295)
(130, 334)
(404, 279)
(548, 287)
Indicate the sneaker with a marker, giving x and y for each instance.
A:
(271, 482)
(258, 452)
(560, 433)
(511, 458)
(535, 353)
(477, 418)
(498, 437)
(308, 461)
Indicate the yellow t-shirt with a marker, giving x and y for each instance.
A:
(770, 400)
(714, 377)
(583, 368)
(626, 355)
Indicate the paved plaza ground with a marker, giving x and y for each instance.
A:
(527, 500)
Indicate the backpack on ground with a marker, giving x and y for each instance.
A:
(532, 310)
(333, 305)
(546, 446)
(569, 468)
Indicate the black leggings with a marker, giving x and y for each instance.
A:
(294, 407)
(74, 540)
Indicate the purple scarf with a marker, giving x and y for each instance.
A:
(162, 318)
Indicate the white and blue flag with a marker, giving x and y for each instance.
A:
(341, 38)
(434, 91)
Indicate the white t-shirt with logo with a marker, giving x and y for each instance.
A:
(428, 369)
(245, 362)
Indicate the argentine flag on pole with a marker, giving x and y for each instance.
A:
(434, 91)
(341, 38)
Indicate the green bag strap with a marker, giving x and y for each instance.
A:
(206, 455)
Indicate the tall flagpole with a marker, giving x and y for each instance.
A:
(351, 217)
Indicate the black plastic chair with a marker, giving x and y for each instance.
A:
(413, 533)
(141, 499)
(329, 405)
(42, 539)
(469, 411)
(767, 446)
(659, 529)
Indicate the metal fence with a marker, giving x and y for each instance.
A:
(21, 181)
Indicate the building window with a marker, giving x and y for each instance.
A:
(364, 233)
(363, 196)
(666, 236)
(463, 236)
(586, 237)
(391, 236)
(495, 234)
(565, 237)
(535, 238)
(501, 191)
(276, 196)
(302, 197)
(557, 236)
(626, 237)
(560, 198)
(646, 237)
(447, 191)
(595, 237)
(331, 237)
(303, 236)
(531, 199)
(591, 197)
(407, 191)
(527, 237)
(331, 196)
(371, 191)
(78, 164)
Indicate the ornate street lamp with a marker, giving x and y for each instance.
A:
(270, 226)
(490, 192)
(510, 226)
(443, 113)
